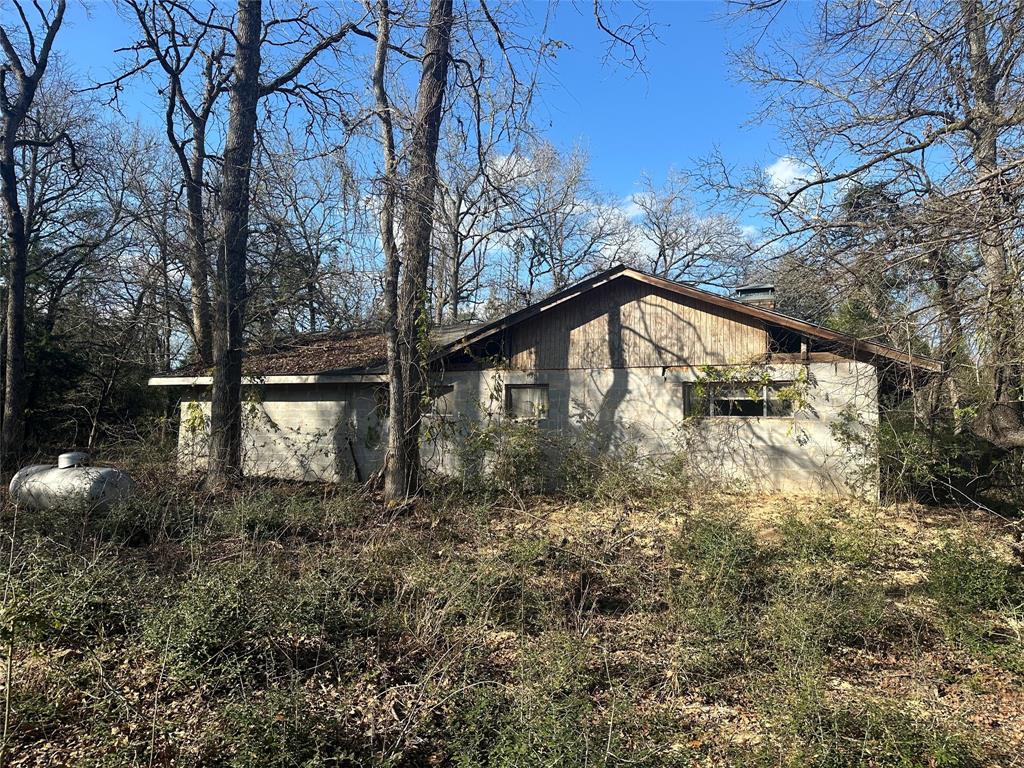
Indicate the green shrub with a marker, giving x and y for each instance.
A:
(744, 606)
(720, 586)
(823, 541)
(63, 597)
(811, 615)
(724, 568)
(509, 589)
(980, 597)
(965, 576)
(39, 709)
(224, 619)
(544, 717)
(277, 729)
(329, 601)
(929, 462)
(514, 458)
(851, 734)
(520, 459)
(272, 513)
(153, 514)
(620, 475)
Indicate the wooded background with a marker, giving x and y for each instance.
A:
(324, 167)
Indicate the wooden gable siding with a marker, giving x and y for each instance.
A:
(628, 324)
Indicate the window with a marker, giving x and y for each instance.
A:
(738, 399)
(775, 404)
(442, 401)
(382, 402)
(528, 402)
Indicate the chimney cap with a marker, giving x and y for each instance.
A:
(756, 294)
(756, 288)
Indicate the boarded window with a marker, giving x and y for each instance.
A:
(737, 399)
(526, 401)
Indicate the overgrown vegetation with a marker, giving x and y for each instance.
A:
(626, 621)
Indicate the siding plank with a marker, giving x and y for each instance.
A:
(628, 324)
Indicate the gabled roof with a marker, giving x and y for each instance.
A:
(360, 355)
(768, 316)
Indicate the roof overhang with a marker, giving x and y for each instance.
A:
(768, 316)
(309, 379)
(850, 344)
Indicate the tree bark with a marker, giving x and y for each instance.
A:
(952, 348)
(406, 364)
(393, 462)
(225, 458)
(14, 110)
(13, 434)
(199, 262)
(1002, 423)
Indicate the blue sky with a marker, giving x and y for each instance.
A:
(688, 102)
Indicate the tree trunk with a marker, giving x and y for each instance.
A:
(199, 263)
(13, 433)
(14, 112)
(456, 269)
(1002, 423)
(225, 460)
(406, 368)
(393, 470)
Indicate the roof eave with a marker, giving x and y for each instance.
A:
(314, 378)
(765, 315)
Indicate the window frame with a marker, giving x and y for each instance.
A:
(435, 393)
(691, 404)
(544, 386)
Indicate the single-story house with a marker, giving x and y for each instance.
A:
(633, 360)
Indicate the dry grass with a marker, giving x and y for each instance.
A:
(301, 625)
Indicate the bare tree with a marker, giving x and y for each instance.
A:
(73, 203)
(20, 76)
(478, 212)
(468, 227)
(920, 100)
(667, 237)
(246, 88)
(190, 53)
(225, 459)
(407, 270)
(78, 223)
(312, 268)
(565, 227)
(559, 243)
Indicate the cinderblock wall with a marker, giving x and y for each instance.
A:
(339, 432)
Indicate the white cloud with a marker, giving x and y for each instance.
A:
(512, 165)
(630, 208)
(786, 172)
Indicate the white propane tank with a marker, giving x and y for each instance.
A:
(71, 485)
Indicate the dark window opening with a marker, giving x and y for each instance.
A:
(782, 340)
(738, 400)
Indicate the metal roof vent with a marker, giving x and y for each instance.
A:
(756, 294)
